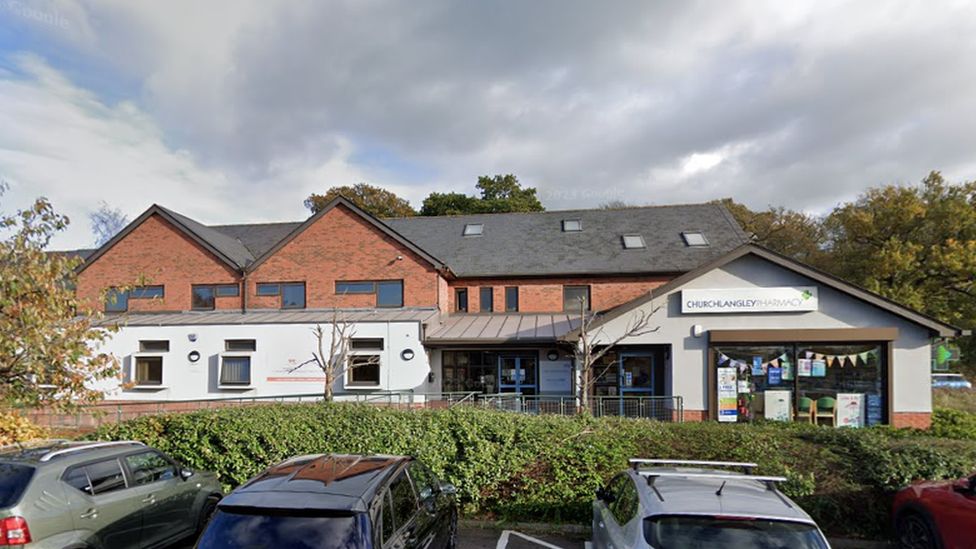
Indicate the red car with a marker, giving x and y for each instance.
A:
(937, 515)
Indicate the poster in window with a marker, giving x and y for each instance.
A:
(818, 368)
(775, 375)
(745, 386)
(727, 395)
(804, 367)
(779, 405)
(850, 410)
(757, 366)
(787, 370)
(874, 410)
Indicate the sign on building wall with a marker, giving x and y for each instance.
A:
(784, 299)
(556, 378)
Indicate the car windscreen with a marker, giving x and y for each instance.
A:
(695, 532)
(259, 530)
(14, 479)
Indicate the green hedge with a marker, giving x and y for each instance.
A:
(546, 468)
(954, 424)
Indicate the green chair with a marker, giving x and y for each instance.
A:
(826, 409)
(805, 409)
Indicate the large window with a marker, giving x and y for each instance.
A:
(292, 294)
(202, 298)
(469, 371)
(148, 370)
(511, 299)
(487, 299)
(838, 384)
(235, 370)
(573, 296)
(389, 293)
(364, 364)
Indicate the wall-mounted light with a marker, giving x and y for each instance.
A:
(697, 330)
(553, 355)
(191, 337)
(430, 377)
(407, 354)
(194, 356)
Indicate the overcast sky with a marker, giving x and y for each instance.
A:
(230, 111)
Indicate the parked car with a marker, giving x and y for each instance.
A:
(690, 504)
(99, 495)
(940, 514)
(337, 501)
(950, 381)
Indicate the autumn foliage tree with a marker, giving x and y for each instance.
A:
(375, 200)
(48, 338)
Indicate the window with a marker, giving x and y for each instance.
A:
(388, 522)
(474, 229)
(106, 476)
(240, 345)
(77, 478)
(461, 300)
(572, 225)
(235, 370)
(146, 292)
(624, 505)
(573, 295)
(149, 467)
(694, 238)
(292, 293)
(116, 301)
(154, 346)
(355, 287)
(202, 298)
(268, 289)
(404, 501)
(366, 344)
(364, 371)
(389, 294)
(487, 299)
(228, 290)
(149, 370)
(424, 481)
(511, 299)
(633, 241)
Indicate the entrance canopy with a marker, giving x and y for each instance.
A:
(501, 328)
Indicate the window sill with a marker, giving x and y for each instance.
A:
(148, 387)
(235, 387)
(363, 387)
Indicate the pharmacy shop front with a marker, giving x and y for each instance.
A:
(757, 336)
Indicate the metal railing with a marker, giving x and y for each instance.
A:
(661, 408)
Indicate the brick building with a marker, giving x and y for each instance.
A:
(492, 304)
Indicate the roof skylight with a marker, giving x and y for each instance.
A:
(633, 241)
(694, 238)
(572, 225)
(474, 229)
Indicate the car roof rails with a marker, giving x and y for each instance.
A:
(90, 446)
(769, 481)
(747, 467)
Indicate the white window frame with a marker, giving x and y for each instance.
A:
(235, 386)
(347, 382)
(162, 371)
(474, 229)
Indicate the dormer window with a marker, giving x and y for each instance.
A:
(572, 225)
(633, 241)
(474, 229)
(694, 238)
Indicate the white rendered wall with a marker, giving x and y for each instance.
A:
(911, 378)
(280, 348)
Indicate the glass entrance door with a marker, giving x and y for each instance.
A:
(636, 374)
(517, 374)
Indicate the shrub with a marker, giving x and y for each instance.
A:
(954, 424)
(525, 467)
(16, 428)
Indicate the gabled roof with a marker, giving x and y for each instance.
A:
(341, 201)
(534, 244)
(225, 248)
(936, 326)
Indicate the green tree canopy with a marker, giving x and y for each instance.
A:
(499, 194)
(375, 200)
(789, 232)
(48, 338)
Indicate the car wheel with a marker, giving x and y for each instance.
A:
(453, 532)
(209, 507)
(916, 532)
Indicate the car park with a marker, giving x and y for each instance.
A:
(99, 495)
(330, 501)
(950, 381)
(936, 514)
(690, 504)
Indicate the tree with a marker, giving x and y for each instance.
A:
(499, 194)
(375, 200)
(106, 222)
(593, 345)
(615, 205)
(48, 338)
(789, 232)
(339, 359)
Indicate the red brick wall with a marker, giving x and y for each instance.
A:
(918, 420)
(545, 295)
(161, 254)
(695, 415)
(340, 245)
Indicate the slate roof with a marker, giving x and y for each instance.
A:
(522, 244)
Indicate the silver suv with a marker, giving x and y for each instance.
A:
(99, 495)
(697, 504)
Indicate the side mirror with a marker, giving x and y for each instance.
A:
(448, 489)
(185, 473)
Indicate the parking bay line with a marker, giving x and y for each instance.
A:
(503, 540)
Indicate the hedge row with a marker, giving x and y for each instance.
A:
(546, 468)
(954, 424)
